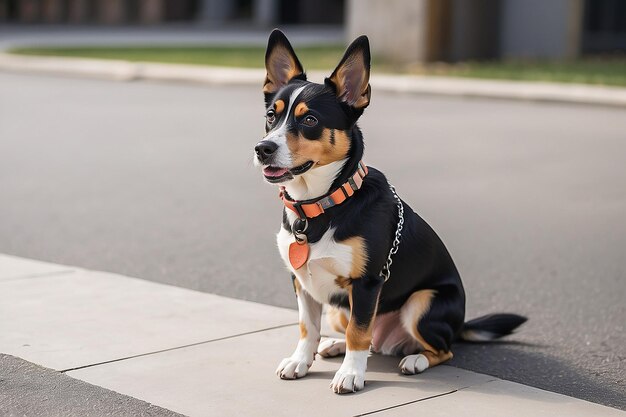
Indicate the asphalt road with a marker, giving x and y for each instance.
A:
(156, 181)
(30, 390)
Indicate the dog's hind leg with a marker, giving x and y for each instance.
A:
(415, 364)
(338, 321)
(430, 317)
(331, 347)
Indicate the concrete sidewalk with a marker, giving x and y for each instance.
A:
(200, 354)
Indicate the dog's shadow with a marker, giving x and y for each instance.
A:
(377, 366)
(540, 370)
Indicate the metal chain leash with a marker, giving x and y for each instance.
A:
(386, 271)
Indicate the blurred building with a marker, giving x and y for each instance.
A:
(400, 30)
(455, 30)
(130, 12)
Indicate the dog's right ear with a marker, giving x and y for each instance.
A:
(281, 63)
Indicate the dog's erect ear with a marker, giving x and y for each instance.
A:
(352, 75)
(281, 63)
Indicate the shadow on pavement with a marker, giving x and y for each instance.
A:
(538, 370)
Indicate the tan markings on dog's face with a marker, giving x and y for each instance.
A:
(279, 106)
(303, 331)
(300, 109)
(359, 256)
(357, 337)
(332, 145)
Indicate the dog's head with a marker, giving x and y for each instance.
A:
(309, 125)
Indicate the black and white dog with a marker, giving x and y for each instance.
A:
(342, 222)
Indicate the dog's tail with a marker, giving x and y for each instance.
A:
(490, 327)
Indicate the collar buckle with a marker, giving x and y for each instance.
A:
(299, 210)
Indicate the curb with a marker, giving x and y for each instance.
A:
(510, 90)
(119, 70)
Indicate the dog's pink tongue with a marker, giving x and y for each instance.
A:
(274, 172)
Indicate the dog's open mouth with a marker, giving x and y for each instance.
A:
(276, 174)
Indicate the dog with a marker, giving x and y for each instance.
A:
(349, 241)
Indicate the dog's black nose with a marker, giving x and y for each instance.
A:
(265, 149)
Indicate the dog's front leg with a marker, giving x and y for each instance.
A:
(310, 313)
(363, 294)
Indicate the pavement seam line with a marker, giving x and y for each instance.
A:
(177, 347)
(42, 275)
(408, 403)
(427, 398)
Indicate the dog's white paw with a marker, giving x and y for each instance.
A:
(292, 368)
(413, 364)
(346, 381)
(331, 347)
(351, 375)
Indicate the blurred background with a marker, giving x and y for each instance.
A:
(425, 30)
(152, 177)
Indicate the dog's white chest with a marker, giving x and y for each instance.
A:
(327, 261)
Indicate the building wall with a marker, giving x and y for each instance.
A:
(109, 12)
(408, 31)
(398, 29)
(604, 26)
(474, 30)
(262, 13)
(403, 31)
(541, 29)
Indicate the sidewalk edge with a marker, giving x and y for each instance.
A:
(119, 70)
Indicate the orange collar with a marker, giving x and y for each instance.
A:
(314, 207)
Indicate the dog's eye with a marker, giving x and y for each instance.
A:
(309, 121)
(270, 116)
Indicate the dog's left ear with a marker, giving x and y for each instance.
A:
(352, 75)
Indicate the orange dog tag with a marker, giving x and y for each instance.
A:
(298, 254)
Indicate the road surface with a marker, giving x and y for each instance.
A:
(156, 181)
